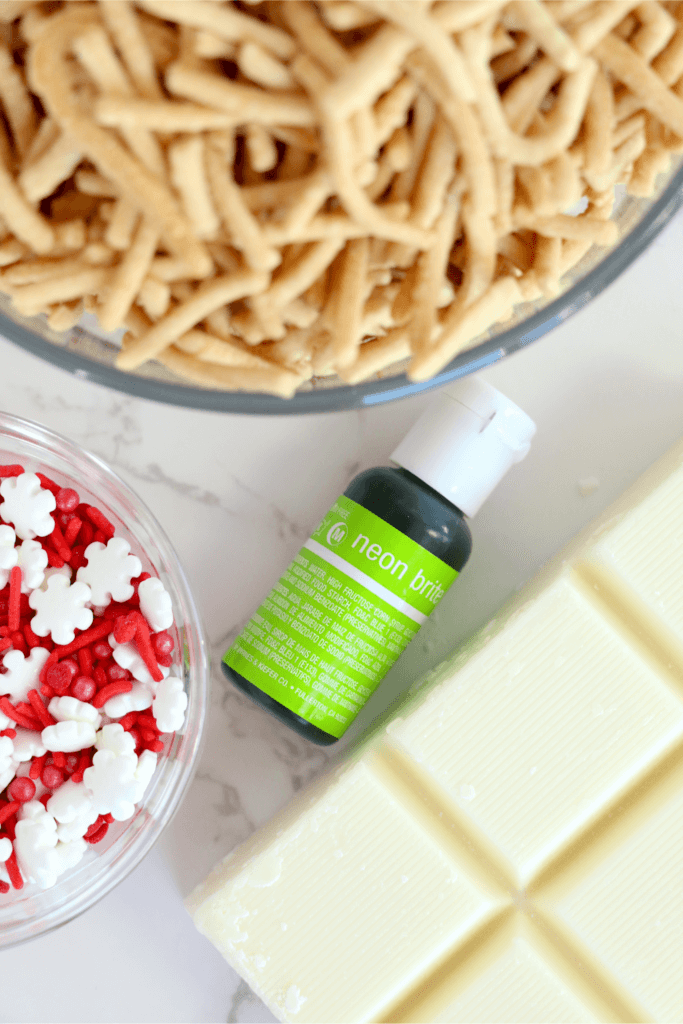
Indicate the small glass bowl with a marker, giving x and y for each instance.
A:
(29, 912)
(91, 356)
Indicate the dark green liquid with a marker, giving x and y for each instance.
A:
(419, 512)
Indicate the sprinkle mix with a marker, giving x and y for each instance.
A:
(87, 691)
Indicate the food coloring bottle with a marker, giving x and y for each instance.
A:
(378, 564)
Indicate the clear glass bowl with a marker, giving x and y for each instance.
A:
(90, 356)
(30, 911)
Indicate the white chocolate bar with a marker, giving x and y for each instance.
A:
(510, 848)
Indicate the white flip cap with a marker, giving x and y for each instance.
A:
(465, 442)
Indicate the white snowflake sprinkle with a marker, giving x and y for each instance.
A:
(109, 571)
(69, 709)
(33, 562)
(68, 736)
(137, 699)
(170, 704)
(61, 609)
(6, 777)
(42, 858)
(27, 744)
(155, 604)
(27, 506)
(117, 779)
(9, 555)
(112, 784)
(22, 674)
(6, 754)
(71, 806)
(113, 737)
(34, 844)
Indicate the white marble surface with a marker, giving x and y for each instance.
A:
(237, 497)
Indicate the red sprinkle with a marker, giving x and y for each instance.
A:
(97, 824)
(86, 638)
(37, 765)
(71, 531)
(54, 560)
(41, 712)
(145, 649)
(21, 789)
(26, 723)
(124, 628)
(46, 667)
(84, 761)
(109, 691)
(59, 759)
(49, 484)
(4, 887)
(147, 719)
(77, 557)
(51, 776)
(99, 521)
(67, 499)
(163, 642)
(5, 642)
(116, 672)
(60, 545)
(19, 642)
(31, 638)
(47, 691)
(9, 732)
(13, 871)
(85, 661)
(83, 688)
(26, 711)
(14, 611)
(156, 746)
(118, 608)
(98, 835)
(102, 650)
(14, 470)
(60, 676)
(100, 677)
(127, 721)
(87, 534)
(8, 810)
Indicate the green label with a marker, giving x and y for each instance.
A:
(348, 605)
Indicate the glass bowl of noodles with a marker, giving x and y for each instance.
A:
(301, 208)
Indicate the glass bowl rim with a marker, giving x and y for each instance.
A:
(176, 787)
(375, 392)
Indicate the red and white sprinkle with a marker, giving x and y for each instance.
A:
(84, 640)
